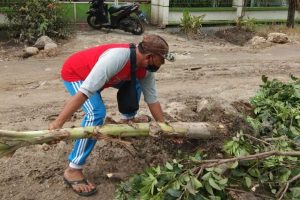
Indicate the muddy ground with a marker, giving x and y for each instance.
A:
(208, 68)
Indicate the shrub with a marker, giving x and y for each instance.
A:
(248, 24)
(31, 19)
(190, 24)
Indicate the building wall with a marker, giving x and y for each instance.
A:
(269, 15)
(216, 15)
(174, 17)
(230, 16)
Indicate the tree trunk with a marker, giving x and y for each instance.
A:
(291, 13)
(10, 141)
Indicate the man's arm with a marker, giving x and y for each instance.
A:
(149, 91)
(69, 109)
(106, 67)
(156, 111)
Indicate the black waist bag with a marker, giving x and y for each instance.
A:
(127, 95)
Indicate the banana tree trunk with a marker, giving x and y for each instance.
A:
(10, 141)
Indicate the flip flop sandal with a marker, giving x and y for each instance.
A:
(83, 181)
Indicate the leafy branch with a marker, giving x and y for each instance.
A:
(284, 189)
(259, 156)
(268, 159)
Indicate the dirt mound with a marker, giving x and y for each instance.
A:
(235, 35)
(207, 109)
(216, 111)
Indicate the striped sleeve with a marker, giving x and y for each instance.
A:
(109, 64)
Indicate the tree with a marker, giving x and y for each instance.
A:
(293, 4)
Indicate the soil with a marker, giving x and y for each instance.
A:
(235, 35)
(208, 69)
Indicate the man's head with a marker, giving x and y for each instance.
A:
(154, 50)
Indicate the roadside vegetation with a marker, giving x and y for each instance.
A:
(264, 161)
(31, 19)
(189, 24)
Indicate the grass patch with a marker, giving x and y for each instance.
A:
(265, 8)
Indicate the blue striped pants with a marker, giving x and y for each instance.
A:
(95, 113)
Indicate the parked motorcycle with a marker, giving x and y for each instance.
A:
(116, 17)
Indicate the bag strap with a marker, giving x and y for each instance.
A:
(132, 61)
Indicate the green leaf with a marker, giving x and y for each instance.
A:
(218, 170)
(254, 172)
(176, 185)
(248, 181)
(257, 110)
(271, 176)
(186, 178)
(174, 193)
(223, 181)
(216, 176)
(210, 169)
(157, 170)
(285, 176)
(206, 176)
(213, 184)
(238, 172)
(169, 166)
(294, 131)
(209, 188)
(179, 165)
(233, 165)
(191, 189)
(297, 139)
(295, 192)
(196, 183)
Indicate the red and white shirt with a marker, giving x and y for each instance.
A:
(105, 66)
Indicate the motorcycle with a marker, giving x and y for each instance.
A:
(116, 17)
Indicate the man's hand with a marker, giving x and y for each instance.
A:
(52, 126)
(69, 109)
(55, 125)
(154, 129)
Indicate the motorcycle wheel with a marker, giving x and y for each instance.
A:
(91, 20)
(137, 26)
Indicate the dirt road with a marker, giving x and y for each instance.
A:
(32, 94)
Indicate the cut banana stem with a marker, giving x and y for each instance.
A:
(10, 141)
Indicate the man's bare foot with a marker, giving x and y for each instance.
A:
(75, 179)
